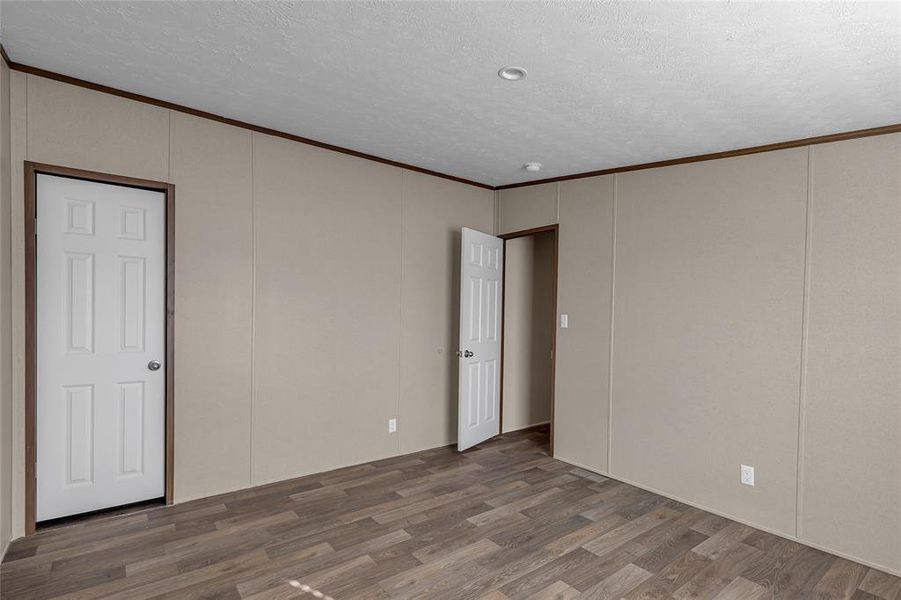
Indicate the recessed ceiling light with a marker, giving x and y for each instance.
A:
(512, 73)
(532, 167)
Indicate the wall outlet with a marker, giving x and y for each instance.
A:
(747, 475)
(392, 428)
(564, 321)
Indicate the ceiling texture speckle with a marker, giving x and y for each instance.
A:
(610, 83)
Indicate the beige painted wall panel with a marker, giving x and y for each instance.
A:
(434, 212)
(706, 358)
(6, 437)
(583, 350)
(851, 477)
(327, 305)
(528, 330)
(76, 127)
(527, 207)
(211, 170)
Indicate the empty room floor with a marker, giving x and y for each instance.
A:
(504, 520)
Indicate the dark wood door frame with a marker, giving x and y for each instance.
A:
(518, 234)
(32, 170)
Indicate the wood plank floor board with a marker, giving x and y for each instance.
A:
(605, 566)
(561, 567)
(675, 575)
(616, 585)
(676, 543)
(556, 591)
(718, 574)
(502, 568)
(502, 521)
(741, 589)
(881, 585)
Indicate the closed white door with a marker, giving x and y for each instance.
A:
(481, 294)
(101, 381)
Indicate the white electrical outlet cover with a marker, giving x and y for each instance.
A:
(564, 321)
(392, 425)
(747, 475)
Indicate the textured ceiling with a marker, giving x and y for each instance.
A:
(609, 84)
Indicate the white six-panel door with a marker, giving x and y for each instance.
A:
(481, 294)
(101, 271)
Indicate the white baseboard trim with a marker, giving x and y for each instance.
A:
(781, 534)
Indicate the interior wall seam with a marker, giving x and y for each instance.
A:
(805, 319)
(612, 323)
(253, 303)
(400, 312)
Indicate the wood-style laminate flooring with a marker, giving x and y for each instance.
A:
(501, 521)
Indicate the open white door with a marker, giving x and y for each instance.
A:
(481, 283)
(101, 318)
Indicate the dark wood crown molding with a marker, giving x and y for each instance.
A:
(5, 56)
(822, 139)
(229, 121)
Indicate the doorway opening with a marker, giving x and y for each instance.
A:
(528, 338)
(99, 344)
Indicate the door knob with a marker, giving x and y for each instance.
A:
(467, 354)
(154, 365)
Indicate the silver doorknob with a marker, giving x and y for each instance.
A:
(154, 365)
(467, 354)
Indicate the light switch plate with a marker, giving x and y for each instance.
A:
(564, 321)
(392, 425)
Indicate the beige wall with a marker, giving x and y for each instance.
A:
(709, 335)
(585, 267)
(528, 330)
(434, 212)
(707, 324)
(327, 251)
(526, 207)
(315, 292)
(5, 319)
(851, 439)
(210, 165)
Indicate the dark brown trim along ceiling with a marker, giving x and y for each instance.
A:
(228, 121)
(822, 139)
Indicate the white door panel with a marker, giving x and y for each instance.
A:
(101, 263)
(481, 287)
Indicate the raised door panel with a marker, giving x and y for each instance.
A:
(79, 302)
(130, 303)
(79, 444)
(131, 427)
